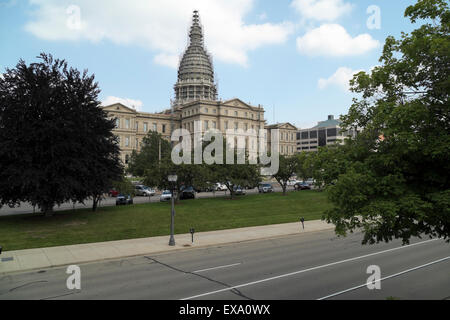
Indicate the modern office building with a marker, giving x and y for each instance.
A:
(325, 133)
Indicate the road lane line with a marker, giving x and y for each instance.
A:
(385, 278)
(307, 270)
(221, 267)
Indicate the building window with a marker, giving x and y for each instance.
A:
(226, 112)
(127, 123)
(332, 132)
(127, 142)
(226, 125)
(313, 134)
(155, 127)
(206, 125)
(206, 110)
(164, 128)
(145, 127)
(215, 111)
(137, 126)
(305, 135)
(236, 126)
(236, 113)
(117, 123)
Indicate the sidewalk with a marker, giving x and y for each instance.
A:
(25, 260)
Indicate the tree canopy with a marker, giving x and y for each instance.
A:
(56, 143)
(394, 180)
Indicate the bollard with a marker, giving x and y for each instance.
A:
(302, 220)
(1, 249)
(192, 231)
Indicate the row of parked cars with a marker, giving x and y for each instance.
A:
(190, 192)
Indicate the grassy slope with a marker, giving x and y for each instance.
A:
(147, 220)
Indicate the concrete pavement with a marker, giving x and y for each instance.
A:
(25, 260)
(311, 265)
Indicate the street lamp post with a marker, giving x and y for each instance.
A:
(172, 179)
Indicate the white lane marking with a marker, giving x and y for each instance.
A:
(385, 278)
(307, 270)
(221, 267)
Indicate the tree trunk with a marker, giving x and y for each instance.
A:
(47, 209)
(95, 200)
(284, 189)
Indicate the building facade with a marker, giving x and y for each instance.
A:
(287, 145)
(195, 101)
(325, 133)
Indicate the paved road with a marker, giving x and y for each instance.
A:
(26, 208)
(308, 266)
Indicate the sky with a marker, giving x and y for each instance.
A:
(293, 57)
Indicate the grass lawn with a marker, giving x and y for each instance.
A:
(153, 219)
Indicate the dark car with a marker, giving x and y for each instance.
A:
(239, 191)
(124, 200)
(265, 188)
(187, 193)
(302, 186)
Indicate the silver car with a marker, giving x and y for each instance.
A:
(166, 196)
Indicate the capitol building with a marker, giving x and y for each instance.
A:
(196, 101)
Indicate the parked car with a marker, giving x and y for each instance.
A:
(239, 191)
(143, 191)
(302, 186)
(166, 195)
(292, 182)
(123, 200)
(187, 193)
(206, 188)
(221, 187)
(151, 192)
(265, 188)
(113, 193)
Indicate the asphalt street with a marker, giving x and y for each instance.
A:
(26, 208)
(309, 266)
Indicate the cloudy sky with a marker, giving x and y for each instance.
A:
(294, 57)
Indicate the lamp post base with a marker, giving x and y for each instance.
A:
(172, 242)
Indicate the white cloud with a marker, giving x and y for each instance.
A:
(135, 104)
(160, 25)
(340, 78)
(333, 40)
(322, 10)
(168, 60)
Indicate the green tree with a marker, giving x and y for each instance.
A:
(56, 143)
(189, 175)
(305, 168)
(124, 186)
(288, 167)
(396, 183)
(235, 175)
(153, 149)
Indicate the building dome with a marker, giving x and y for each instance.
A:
(196, 72)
